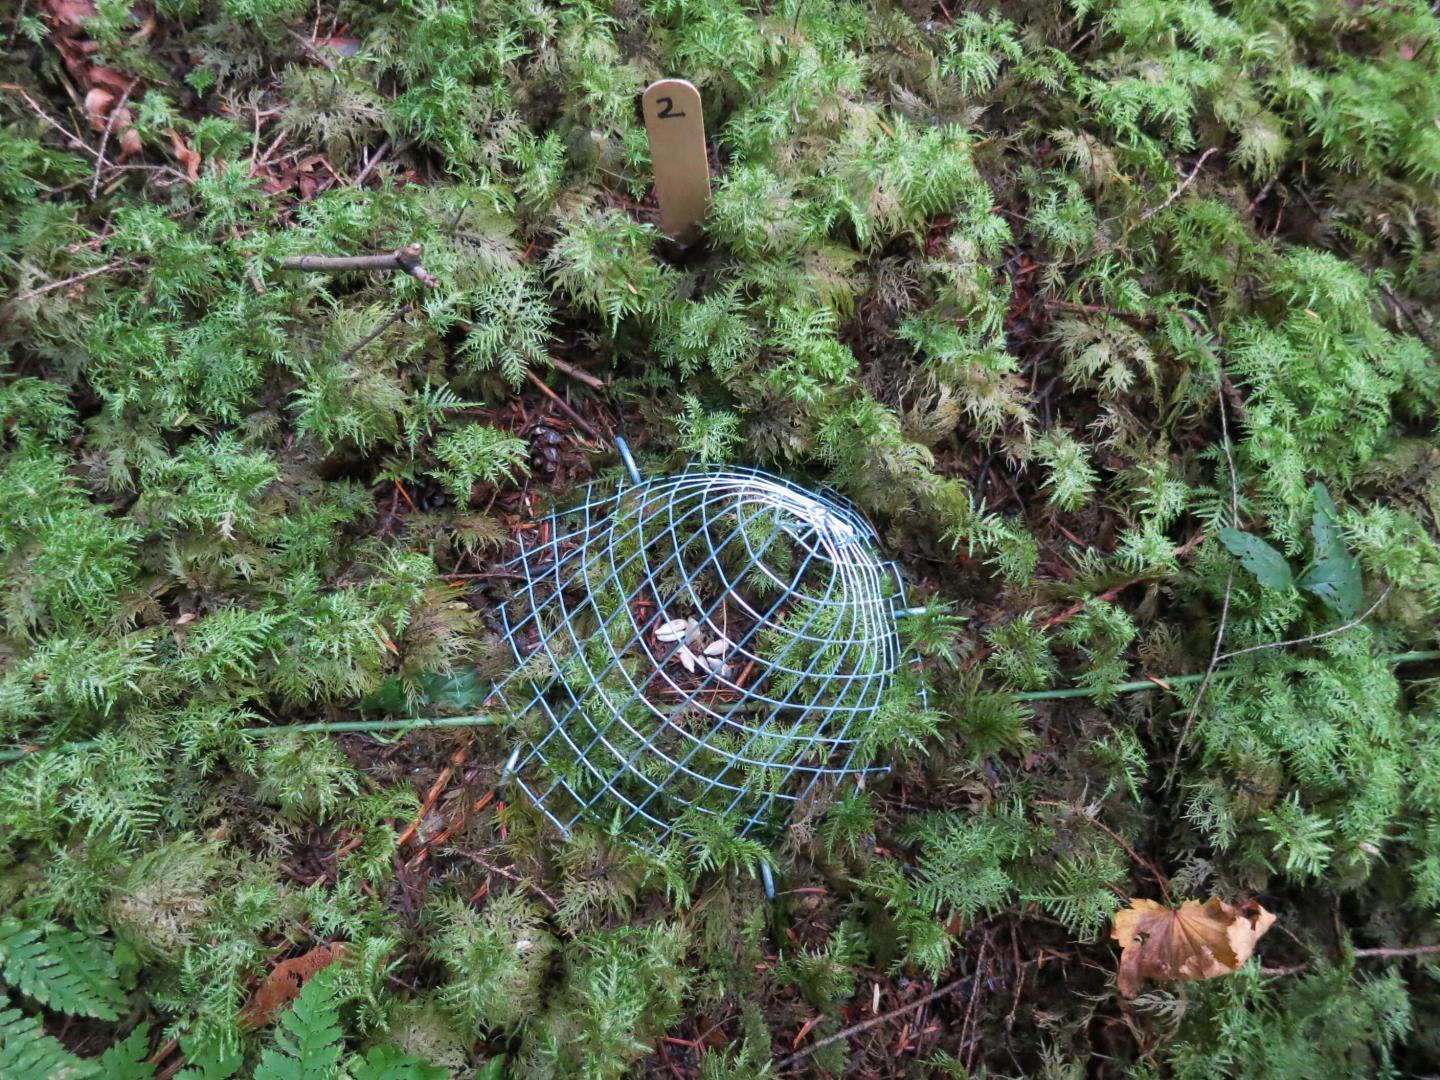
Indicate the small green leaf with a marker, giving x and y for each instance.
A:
(1322, 523)
(494, 1069)
(392, 1063)
(1262, 560)
(464, 691)
(126, 1060)
(1333, 575)
(1336, 581)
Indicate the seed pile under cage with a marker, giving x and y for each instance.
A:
(712, 642)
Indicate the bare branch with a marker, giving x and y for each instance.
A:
(1229, 587)
(73, 139)
(874, 1021)
(406, 258)
(390, 321)
(30, 295)
(1314, 637)
(1182, 188)
(1360, 954)
(115, 111)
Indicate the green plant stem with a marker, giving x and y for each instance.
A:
(416, 723)
(400, 726)
(1160, 682)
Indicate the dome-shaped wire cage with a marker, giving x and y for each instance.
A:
(714, 642)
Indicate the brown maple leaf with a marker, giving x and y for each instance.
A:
(285, 981)
(1197, 941)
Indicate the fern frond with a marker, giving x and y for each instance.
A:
(309, 1037)
(62, 969)
(27, 1053)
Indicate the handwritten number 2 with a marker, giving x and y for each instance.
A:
(667, 108)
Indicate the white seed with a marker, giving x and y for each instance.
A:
(687, 659)
(718, 647)
(674, 630)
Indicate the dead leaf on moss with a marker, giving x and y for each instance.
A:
(188, 157)
(106, 89)
(1197, 941)
(285, 981)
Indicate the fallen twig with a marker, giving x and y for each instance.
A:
(390, 320)
(1308, 638)
(115, 111)
(311, 50)
(71, 137)
(576, 373)
(31, 294)
(375, 159)
(1135, 856)
(1360, 954)
(406, 258)
(1183, 186)
(1409, 317)
(432, 796)
(1229, 588)
(510, 875)
(1101, 309)
(874, 1021)
(564, 405)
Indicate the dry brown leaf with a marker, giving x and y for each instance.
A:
(284, 982)
(105, 87)
(184, 154)
(1198, 941)
(98, 103)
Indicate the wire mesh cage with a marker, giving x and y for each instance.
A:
(713, 642)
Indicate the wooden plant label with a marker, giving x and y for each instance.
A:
(676, 128)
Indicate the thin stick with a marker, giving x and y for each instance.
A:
(1314, 637)
(328, 727)
(1182, 188)
(1414, 657)
(417, 723)
(576, 373)
(564, 405)
(406, 258)
(314, 53)
(974, 997)
(380, 153)
(510, 875)
(1138, 859)
(1229, 587)
(390, 321)
(117, 265)
(1360, 954)
(105, 137)
(1101, 309)
(1409, 317)
(874, 1021)
(71, 137)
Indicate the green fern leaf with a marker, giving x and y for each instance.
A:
(392, 1063)
(309, 1036)
(126, 1060)
(62, 969)
(26, 1051)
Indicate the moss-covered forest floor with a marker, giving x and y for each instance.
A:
(1118, 320)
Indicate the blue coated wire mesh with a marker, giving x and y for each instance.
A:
(718, 641)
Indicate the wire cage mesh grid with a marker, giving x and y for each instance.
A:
(717, 641)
